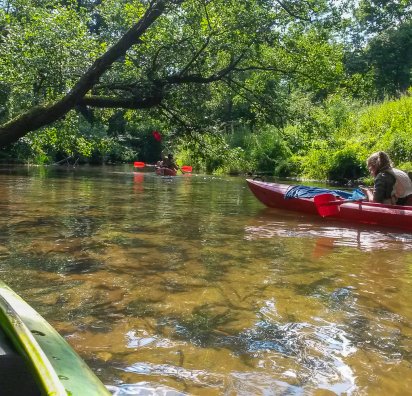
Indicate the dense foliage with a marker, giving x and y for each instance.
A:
(334, 145)
(288, 88)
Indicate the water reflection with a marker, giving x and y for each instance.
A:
(186, 285)
(328, 235)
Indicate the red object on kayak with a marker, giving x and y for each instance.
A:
(165, 171)
(329, 204)
(395, 216)
(138, 164)
(157, 136)
(186, 168)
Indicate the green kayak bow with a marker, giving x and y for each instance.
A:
(56, 368)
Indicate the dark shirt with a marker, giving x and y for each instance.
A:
(170, 163)
(384, 183)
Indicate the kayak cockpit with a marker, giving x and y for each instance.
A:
(16, 378)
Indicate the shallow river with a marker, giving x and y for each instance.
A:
(188, 285)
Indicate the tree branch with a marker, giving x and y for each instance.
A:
(123, 103)
(43, 115)
(195, 57)
(197, 78)
(288, 9)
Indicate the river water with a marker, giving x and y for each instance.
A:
(188, 285)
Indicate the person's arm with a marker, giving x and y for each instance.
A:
(368, 192)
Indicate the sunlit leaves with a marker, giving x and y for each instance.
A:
(118, 16)
(378, 15)
(43, 53)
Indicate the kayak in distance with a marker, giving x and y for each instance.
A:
(34, 359)
(328, 204)
(162, 171)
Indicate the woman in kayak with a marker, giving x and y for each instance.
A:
(170, 163)
(392, 186)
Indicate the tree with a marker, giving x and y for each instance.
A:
(385, 63)
(58, 57)
(375, 16)
(390, 56)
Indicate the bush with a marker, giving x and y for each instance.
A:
(211, 153)
(268, 150)
(342, 154)
(347, 164)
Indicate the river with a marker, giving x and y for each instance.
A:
(188, 285)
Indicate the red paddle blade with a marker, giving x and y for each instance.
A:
(157, 135)
(325, 206)
(139, 164)
(186, 168)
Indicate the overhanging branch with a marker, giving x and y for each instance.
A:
(43, 115)
(124, 103)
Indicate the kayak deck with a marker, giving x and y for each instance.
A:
(53, 364)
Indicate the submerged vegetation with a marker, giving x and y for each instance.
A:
(292, 89)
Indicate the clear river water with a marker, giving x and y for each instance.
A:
(188, 285)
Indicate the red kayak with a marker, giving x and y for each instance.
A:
(165, 171)
(395, 216)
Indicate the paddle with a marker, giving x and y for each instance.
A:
(328, 205)
(138, 164)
